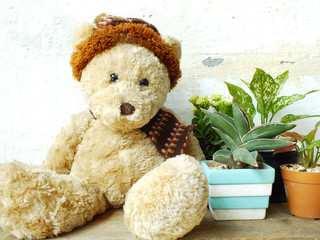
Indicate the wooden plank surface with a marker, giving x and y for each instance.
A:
(279, 224)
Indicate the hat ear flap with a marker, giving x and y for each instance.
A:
(175, 44)
(81, 34)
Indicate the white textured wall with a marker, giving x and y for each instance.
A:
(38, 93)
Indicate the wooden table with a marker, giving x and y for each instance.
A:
(279, 224)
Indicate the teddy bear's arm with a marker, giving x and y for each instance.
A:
(61, 154)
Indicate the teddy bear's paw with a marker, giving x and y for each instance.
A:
(169, 201)
(38, 203)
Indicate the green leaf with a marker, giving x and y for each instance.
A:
(243, 155)
(281, 80)
(254, 154)
(227, 140)
(240, 120)
(265, 144)
(225, 126)
(267, 130)
(227, 118)
(243, 100)
(223, 152)
(264, 90)
(225, 160)
(312, 145)
(284, 101)
(291, 118)
(311, 135)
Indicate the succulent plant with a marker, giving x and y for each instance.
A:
(244, 143)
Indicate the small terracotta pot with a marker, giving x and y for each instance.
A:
(303, 193)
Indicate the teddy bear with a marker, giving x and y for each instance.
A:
(126, 150)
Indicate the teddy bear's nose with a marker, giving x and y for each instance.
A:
(127, 109)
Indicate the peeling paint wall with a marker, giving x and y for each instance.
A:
(222, 40)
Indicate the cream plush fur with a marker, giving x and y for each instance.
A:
(102, 159)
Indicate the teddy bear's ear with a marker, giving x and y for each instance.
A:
(175, 44)
(81, 34)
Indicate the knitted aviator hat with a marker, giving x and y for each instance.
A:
(111, 30)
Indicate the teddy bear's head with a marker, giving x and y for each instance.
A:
(125, 68)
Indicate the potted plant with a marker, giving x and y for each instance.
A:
(302, 181)
(237, 192)
(265, 89)
(209, 140)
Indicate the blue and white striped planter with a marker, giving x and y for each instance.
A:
(239, 194)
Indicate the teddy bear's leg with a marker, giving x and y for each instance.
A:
(39, 203)
(168, 201)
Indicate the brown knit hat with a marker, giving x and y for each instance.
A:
(112, 30)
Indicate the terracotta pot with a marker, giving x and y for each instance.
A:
(303, 193)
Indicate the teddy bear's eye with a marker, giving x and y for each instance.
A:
(113, 77)
(144, 82)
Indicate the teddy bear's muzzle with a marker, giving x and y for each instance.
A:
(127, 109)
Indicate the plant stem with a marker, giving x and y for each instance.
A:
(271, 118)
(308, 157)
(316, 158)
(300, 154)
(304, 159)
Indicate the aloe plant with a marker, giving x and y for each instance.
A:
(307, 147)
(265, 90)
(243, 142)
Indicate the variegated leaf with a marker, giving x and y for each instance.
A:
(264, 89)
(243, 100)
(281, 80)
(284, 101)
(291, 118)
